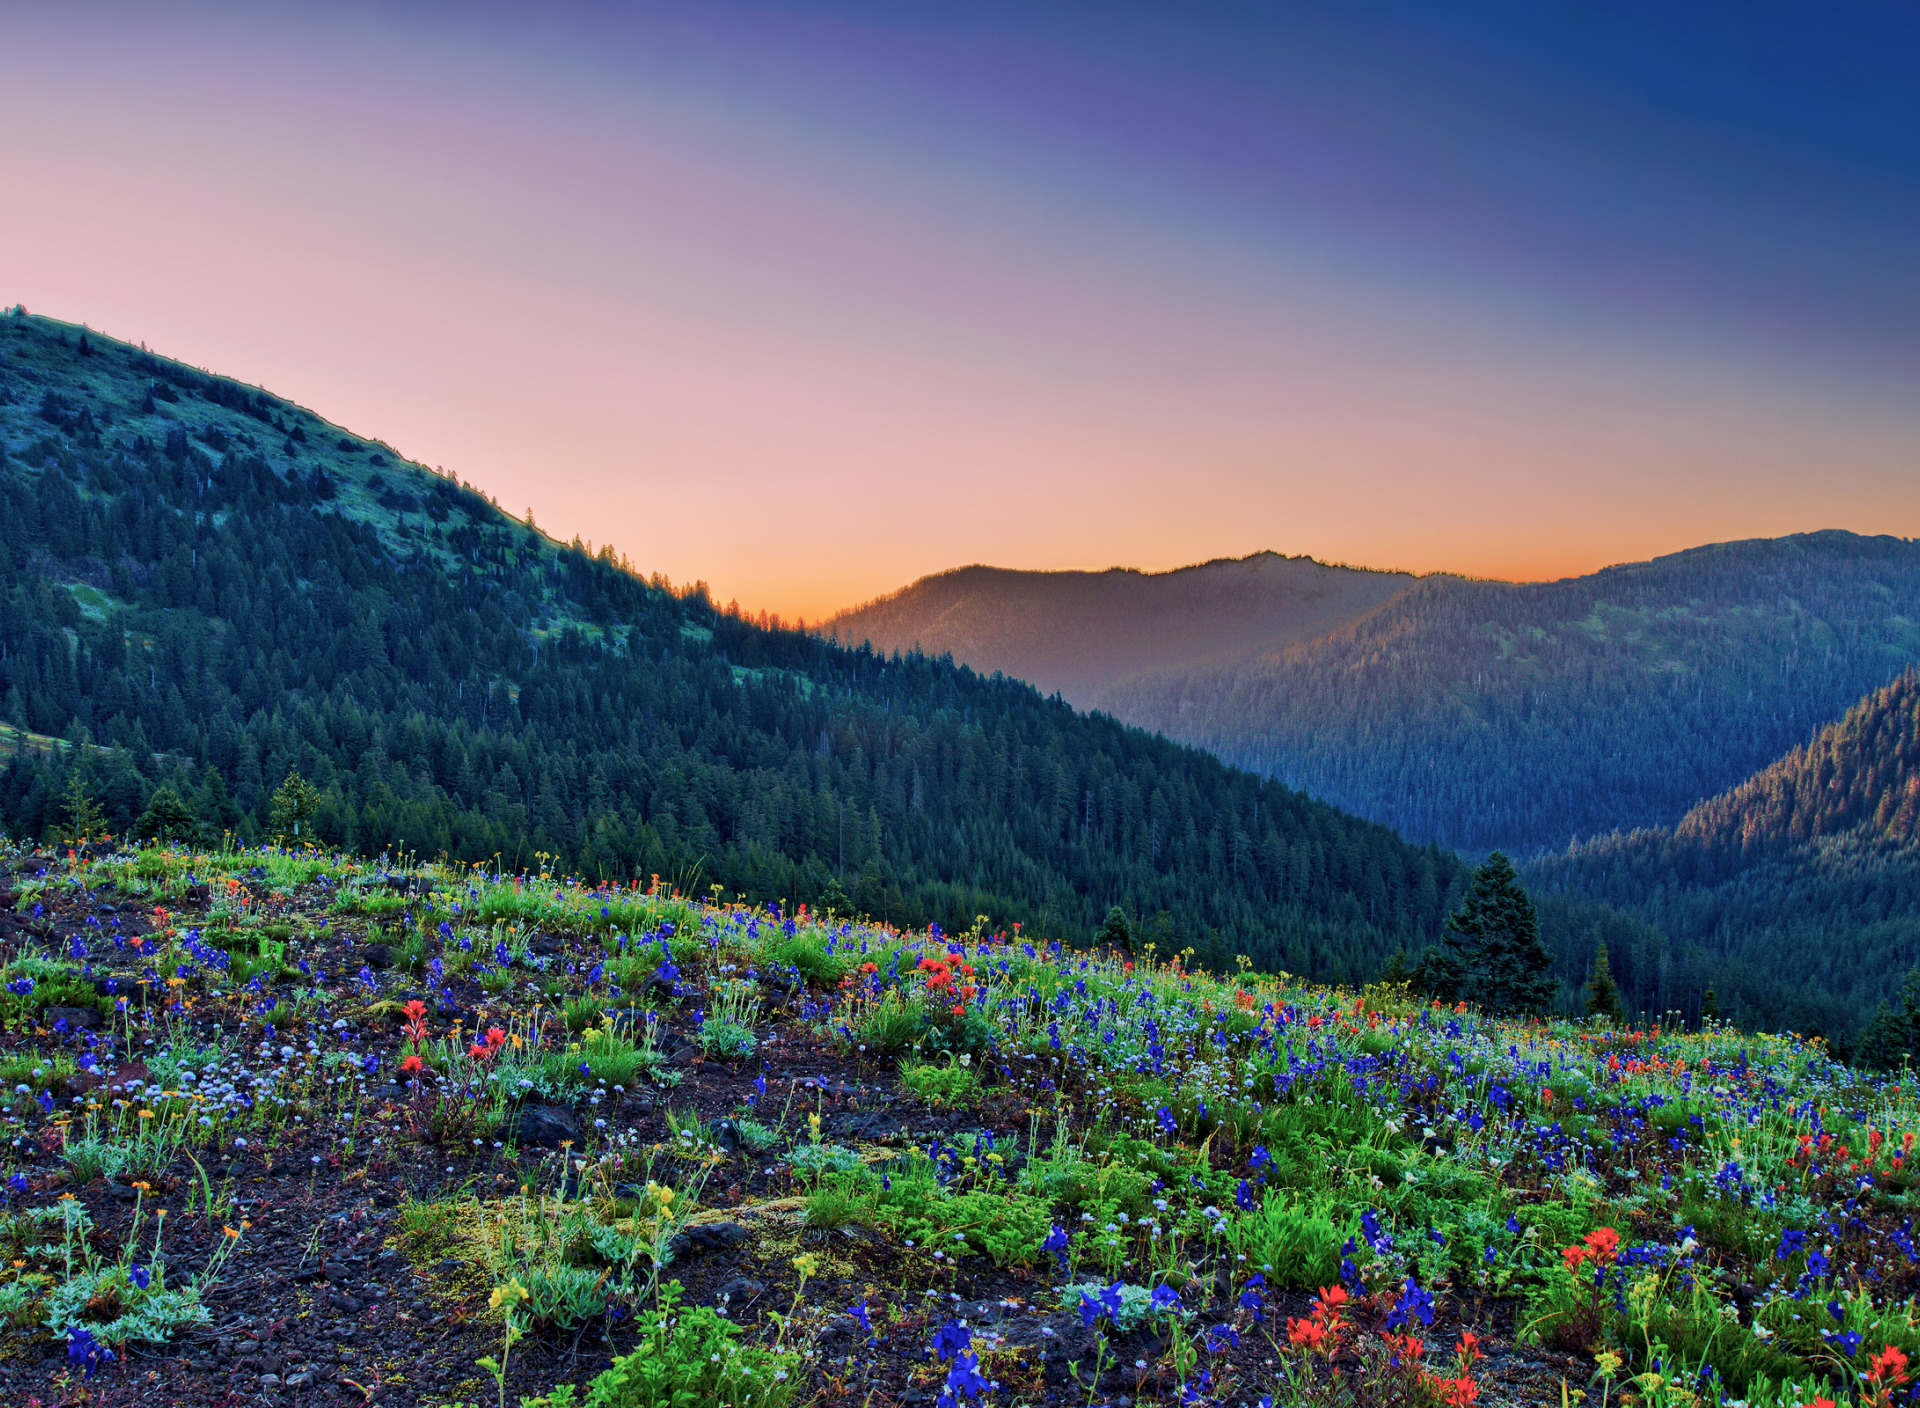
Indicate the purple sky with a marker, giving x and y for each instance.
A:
(809, 301)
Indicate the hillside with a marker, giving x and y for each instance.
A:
(221, 587)
(1080, 634)
(1797, 893)
(414, 1127)
(1485, 714)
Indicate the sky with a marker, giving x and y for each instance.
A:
(807, 301)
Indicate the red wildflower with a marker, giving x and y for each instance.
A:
(411, 1064)
(1305, 1334)
(1889, 1364)
(1603, 1246)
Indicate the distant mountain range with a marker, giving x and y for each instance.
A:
(1797, 893)
(1084, 634)
(1475, 714)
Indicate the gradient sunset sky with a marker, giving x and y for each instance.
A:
(811, 300)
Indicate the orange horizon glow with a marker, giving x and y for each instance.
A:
(748, 349)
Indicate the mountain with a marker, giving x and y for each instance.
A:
(1796, 893)
(1472, 714)
(1486, 714)
(221, 588)
(1080, 634)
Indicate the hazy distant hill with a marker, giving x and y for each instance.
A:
(1796, 892)
(221, 586)
(1482, 714)
(1081, 633)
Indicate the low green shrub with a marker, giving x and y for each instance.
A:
(949, 1085)
(1294, 1242)
(687, 1357)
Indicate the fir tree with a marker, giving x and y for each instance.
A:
(1440, 974)
(1495, 936)
(167, 817)
(1603, 995)
(1709, 1006)
(294, 804)
(1396, 969)
(833, 898)
(85, 820)
(1116, 933)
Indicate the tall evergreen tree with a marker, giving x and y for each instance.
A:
(85, 820)
(291, 820)
(1709, 1006)
(1603, 995)
(1495, 936)
(1440, 974)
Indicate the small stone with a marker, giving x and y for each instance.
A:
(710, 1237)
(739, 1292)
(541, 1127)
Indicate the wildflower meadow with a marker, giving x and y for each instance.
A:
(284, 1125)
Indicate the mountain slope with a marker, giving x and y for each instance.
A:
(1082, 633)
(221, 587)
(1858, 779)
(1797, 892)
(1481, 714)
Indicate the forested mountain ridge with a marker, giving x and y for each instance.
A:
(1796, 893)
(1080, 634)
(1858, 776)
(220, 587)
(1484, 714)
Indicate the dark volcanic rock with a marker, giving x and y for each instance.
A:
(863, 1124)
(710, 1237)
(542, 1126)
(76, 1018)
(378, 957)
(739, 1292)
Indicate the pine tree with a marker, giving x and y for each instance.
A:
(1885, 1041)
(85, 820)
(1396, 969)
(833, 899)
(291, 820)
(1709, 1006)
(1116, 933)
(1440, 974)
(1495, 935)
(1603, 995)
(167, 817)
